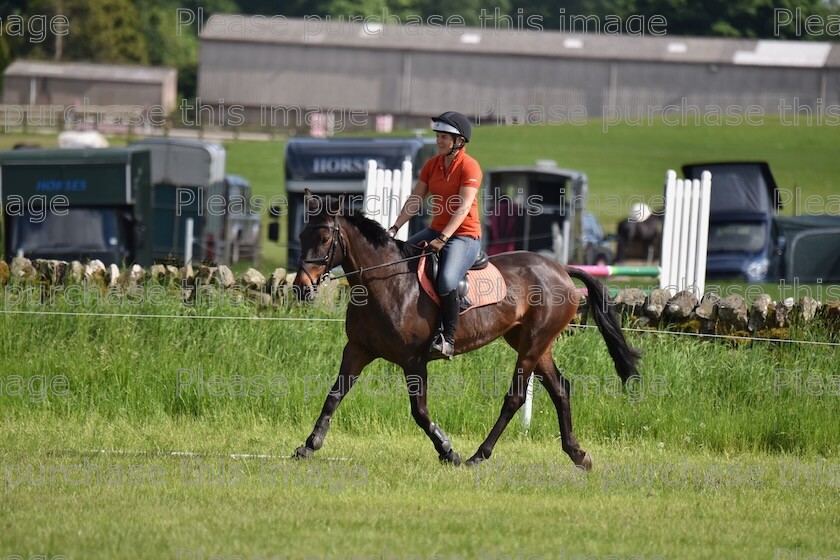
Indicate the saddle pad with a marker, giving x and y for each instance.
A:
(487, 286)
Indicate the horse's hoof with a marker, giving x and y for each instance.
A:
(585, 464)
(451, 457)
(303, 452)
(475, 460)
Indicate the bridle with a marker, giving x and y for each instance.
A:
(326, 260)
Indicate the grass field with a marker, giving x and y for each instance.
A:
(721, 450)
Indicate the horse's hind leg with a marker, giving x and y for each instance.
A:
(558, 388)
(353, 362)
(416, 380)
(513, 401)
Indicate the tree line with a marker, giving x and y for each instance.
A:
(144, 31)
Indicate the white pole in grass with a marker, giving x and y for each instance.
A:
(188, 243)
(529, 403)
(666, 276)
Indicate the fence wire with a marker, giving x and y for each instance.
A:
(340, 320)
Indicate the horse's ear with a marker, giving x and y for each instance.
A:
(309, 199)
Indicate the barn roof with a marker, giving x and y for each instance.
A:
(90, 71)
(406, 36)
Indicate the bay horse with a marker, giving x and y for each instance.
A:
(396, 322)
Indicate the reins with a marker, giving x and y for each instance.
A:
(326, 261)
(365, 269)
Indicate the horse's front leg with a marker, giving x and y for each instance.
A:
(416, 380)
(353, 362)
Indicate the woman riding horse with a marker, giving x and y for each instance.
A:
(396, 321)
(452, 178)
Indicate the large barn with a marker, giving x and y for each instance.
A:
(277, 75)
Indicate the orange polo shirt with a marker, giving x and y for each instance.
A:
(444, 188)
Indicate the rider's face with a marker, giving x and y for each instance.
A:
(445, 142)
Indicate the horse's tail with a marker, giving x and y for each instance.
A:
(624, 357)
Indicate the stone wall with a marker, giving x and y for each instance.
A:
(711, 315)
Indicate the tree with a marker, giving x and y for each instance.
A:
(99, 31)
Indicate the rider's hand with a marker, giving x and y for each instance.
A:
(437, 244)
(392, 232)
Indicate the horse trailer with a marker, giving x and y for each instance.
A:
(537, 208)
(126, 205)
(337, 166)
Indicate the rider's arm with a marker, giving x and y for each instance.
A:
(413, 204)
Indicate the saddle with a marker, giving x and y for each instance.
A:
(483, 284)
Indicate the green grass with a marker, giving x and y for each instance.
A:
(392, 500)
(759, 397)
(722, 450)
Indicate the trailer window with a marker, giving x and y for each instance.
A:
(80, 229)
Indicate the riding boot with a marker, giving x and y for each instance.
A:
(444, 343)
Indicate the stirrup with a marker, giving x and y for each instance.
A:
(441, 348)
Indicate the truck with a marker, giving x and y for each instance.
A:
(77, 204)
(748, 240)
(189, 181)
(126, 205)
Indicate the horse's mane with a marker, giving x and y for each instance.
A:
(376, 234)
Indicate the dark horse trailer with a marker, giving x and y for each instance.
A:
(338, 166)
(126, 205)
(189, 181)
(540, 209)
(77, 204)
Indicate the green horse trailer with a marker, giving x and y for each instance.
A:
(127, 205)
(77, 204)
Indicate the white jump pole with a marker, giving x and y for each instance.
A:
(188, 242)
(370, 203)
(405, 191)
(703, 229)
(685, 233)
(527, 408)
(667, 265)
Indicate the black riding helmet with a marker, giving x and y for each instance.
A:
(453, 123)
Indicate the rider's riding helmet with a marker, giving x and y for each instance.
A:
(454, 123)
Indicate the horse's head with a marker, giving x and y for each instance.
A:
(322, 245)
